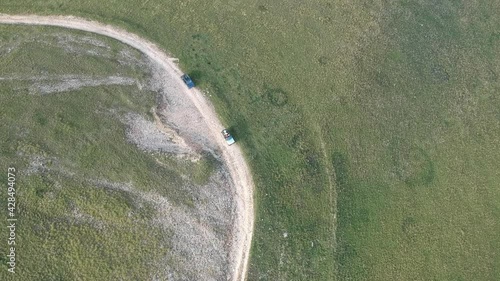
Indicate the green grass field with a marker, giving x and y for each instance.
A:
(394, 103)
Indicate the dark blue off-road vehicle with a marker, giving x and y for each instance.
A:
(189, 82)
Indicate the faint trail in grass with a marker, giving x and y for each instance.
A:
(330, 172)
(62, 83)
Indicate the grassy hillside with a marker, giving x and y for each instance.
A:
(383, 115)
(75, 220)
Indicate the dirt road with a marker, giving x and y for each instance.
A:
(237, 166)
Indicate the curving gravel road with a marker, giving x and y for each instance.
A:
(240, 173)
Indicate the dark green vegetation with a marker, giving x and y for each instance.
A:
(68, 149)
(402, 95)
